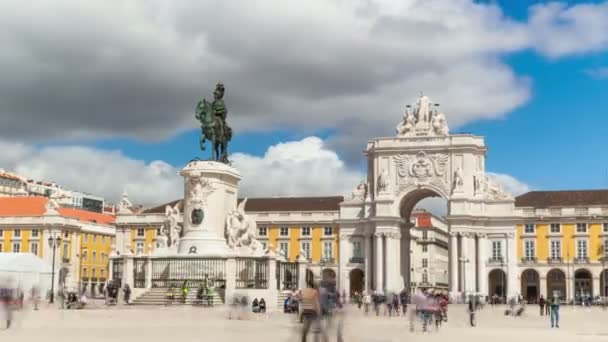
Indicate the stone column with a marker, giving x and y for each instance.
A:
(231, 280)
(272, 281)
(302, 274)
(393, 262)
(512, 288)
(127, 271)
(344, 249)
(595, 288)
(110, 268)
(149, 272)
(542, 283)
(482, 286)
(464, 255)
(379, 262)
(453, 262)
(406, 258)
(368, 261)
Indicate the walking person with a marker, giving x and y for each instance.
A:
(6, 305)
(311, 310)
(541, 304)
(554, 303)
(415, 308)
(367, 301)
(473, 306)
(403, 299)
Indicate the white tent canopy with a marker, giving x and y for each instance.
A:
(24, 271)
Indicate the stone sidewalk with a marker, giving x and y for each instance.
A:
(183, 324)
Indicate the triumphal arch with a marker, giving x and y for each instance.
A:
(423, 160)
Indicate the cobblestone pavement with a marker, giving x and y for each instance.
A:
(183, 324)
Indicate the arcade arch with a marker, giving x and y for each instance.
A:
(357, 281)
(530, 285)
(556, 283)
(497, 283)
(583, 284)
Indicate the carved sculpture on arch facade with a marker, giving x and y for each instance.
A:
(422, 169)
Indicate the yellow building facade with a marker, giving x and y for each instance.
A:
(562, 244)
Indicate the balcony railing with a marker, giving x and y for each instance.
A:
(528, 260)
(357, 260)
(556, 260)
(584, 260)
(498, 260)
(327, 261)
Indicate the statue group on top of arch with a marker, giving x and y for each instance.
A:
(489, 188)
(423, 121)
(241, 230)
(359, 193)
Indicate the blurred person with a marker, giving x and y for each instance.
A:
(6, 304)
(311, 310)
(541, 304)
(255, 306)
(127, 293)
(367, 301)
(415, 308)
(403, 298)
(35, 293)
(472, 308)
(262, 306)
(554, 304)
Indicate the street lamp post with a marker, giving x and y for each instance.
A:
(54, 243)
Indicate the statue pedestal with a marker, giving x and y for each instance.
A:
(210, 192)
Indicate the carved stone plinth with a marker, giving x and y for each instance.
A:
(210, 193)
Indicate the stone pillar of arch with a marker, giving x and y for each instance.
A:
(453, 261)
(379, 262)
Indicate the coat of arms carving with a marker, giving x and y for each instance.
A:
(422, 168)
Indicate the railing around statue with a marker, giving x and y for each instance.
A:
(288, 274)
(117, 269)
(174, 272)
(139, 273)
(252, 273)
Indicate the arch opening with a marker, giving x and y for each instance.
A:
(583, 285)
(357, 281)
(556, 283)
(497, 284)
(530, 286)
(425, 261)
(604, 283)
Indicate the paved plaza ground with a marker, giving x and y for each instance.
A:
(184, 324)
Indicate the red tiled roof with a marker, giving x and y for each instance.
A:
(36, 206)
(89, 216)
(572, 198)
(22, 206)
(329, 203)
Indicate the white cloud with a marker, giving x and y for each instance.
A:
(600, 73)
(557, 29)
(510, 184)
(296, 168)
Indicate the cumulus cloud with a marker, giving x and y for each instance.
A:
(137, 68)
(296, 168)
(510, 184)
(600, 73)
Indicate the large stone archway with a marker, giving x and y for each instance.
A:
(422, 161)
(530, 285)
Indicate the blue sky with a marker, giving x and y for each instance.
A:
(532, 80)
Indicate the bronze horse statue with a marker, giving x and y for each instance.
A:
(212, 129)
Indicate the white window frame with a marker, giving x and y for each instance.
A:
(425, 248)
(529, 249)
(425, 263)
(264, 245)
(425, 277)
(101, 275)
(16, 247)
(139, 248)
(34, 245)
(357, 249)
(328, 252)
(425, 235)
(305, 252)
(604, 226)
(558, 250)
(305, 231)
(16, 233)
(326, 229)
(286, 249)
(1, 247)
(605, 247)
(559, 228)
(92, 272)
(1, 232)
(579, 243)
(35, 233)
(142, 231)
(579, 225)
(496, 249)
(283, 229)
(529, 228)
(94, 256)
(262, 231)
